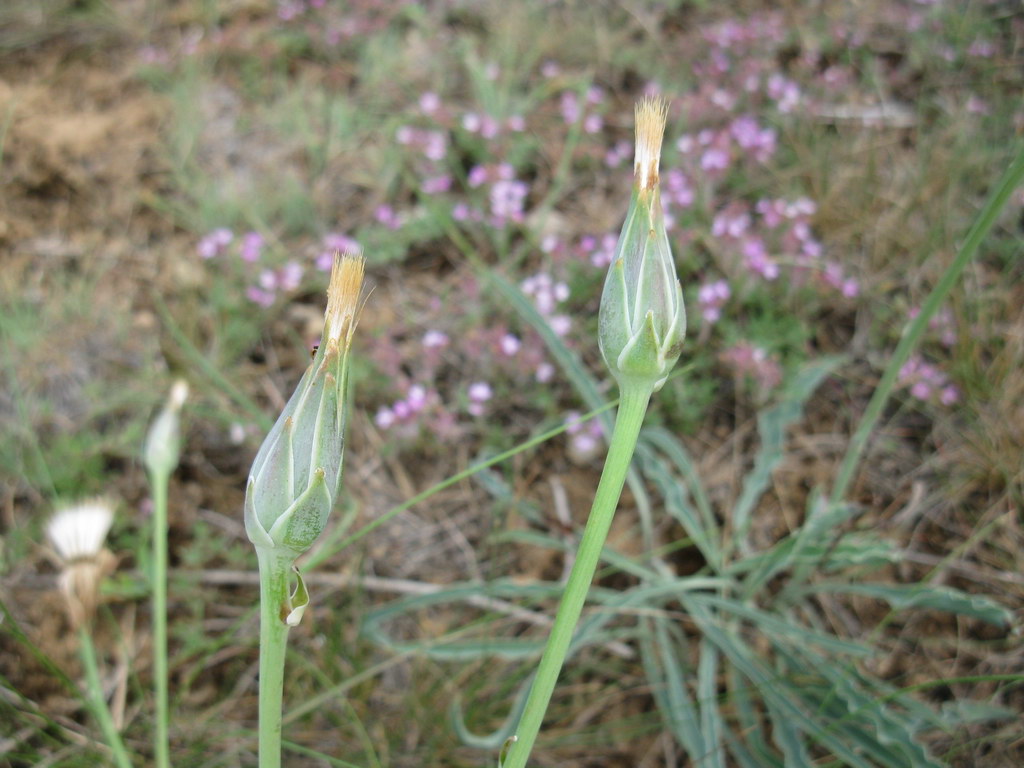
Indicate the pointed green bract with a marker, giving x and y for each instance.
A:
(302, 524)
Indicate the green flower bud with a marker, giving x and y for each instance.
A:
(296, 476)
(163, 441)
(642, 319)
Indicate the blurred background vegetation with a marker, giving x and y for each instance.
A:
(175, 177)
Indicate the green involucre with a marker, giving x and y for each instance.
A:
(642, 319)
(296, 476)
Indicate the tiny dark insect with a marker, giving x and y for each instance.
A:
(312, 352)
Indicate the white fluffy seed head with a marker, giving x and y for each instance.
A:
(78, 532)
(651, 114)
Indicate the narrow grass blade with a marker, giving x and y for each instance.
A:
(808, 546)
(298, 749)
(493, 741)
(666, 678)
(775, 694)
(789, 738)
(752, 750)
(745, 757)
(711, 724)
(939, 598)
(677, 504)
(496, 647)
(771, 426)
(983, 222)
(780, 629)
(676, 452)
(891, 736)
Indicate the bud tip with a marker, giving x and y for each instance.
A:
(651, 114)
(179, 393)
(343, 297)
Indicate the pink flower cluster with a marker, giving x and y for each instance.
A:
(710, 298)
(926, 382)
(419, 405)
(779, 231)
(833, 276)
(251, 248)
(753, 138)
(619, 153)
(489, 174)
(507, 195)
(585, 438)
(268, 282)
(215, 243)
(433, 144)
(489, 127)
(784, 91)
(482, 124)
(492, 350)
(714, 151)
(385, 214)
(479, 393)
(287, 278)
(598, 249)
(677, 191)
(547, 294)
(941, 322)
(747, 359)
(332, 243)
(572, 110)
(508, 198)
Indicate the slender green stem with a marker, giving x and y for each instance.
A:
(98, 702)
(274, 568)
(159, 482)
(632, 407)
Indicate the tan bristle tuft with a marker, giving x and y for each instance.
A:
(343, 297)
(651, 114)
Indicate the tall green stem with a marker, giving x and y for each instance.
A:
(274, 566)
(632, 407)
(98, 702)
(159, 482)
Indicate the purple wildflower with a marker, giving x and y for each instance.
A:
(252, 247)
(215, 243)
(435, 339)
(710, 298)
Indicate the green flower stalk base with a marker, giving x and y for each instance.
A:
(161, 454)
(162, 731)
(275, 606)
(630, 416)
(97, 702)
